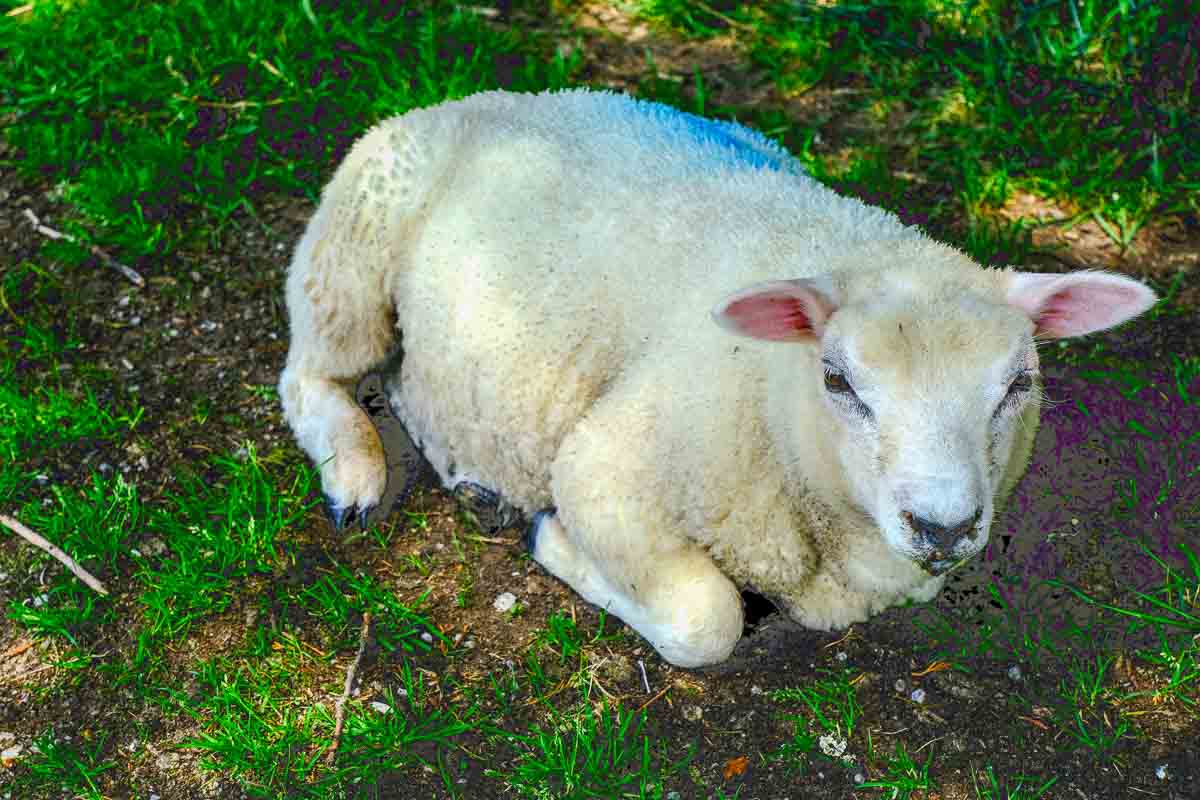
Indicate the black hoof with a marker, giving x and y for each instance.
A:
(366, 517)
(535, 524)
(342, 517)
(487, 509)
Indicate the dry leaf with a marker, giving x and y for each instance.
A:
(736, 766)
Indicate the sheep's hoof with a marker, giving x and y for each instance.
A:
(343, 517)
(535, 525)
(487, 509)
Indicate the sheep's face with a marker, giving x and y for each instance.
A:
(925, 403)
(926, 372)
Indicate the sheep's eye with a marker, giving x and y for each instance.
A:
(1020, 384)
(836, 383)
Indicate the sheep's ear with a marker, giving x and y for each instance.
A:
(1077, 303)
(778, 311)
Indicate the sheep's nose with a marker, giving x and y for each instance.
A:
(943, 538)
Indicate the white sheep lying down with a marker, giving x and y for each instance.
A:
(554, 264)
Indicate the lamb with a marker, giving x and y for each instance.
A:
(839, 440)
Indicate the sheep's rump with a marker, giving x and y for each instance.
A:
(552, 246)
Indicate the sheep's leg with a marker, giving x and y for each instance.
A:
(487, 509)
(341, 325)
(666, 589)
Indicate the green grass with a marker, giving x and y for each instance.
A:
(901, 776)
(1087, 103)
(829, 710)
(214, 530)
(69, 768)
(992, 789)
(148, 135)
(93, 525)
(601, 752)
(277, 747)
(334, 599)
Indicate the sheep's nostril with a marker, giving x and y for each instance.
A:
(943, 537)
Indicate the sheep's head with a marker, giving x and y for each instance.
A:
(927, 370)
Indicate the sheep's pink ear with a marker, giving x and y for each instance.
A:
(1077, 303)
(778, 311)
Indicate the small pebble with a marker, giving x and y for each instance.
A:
(900, 685)
(427, 637)
(504, 602)
(918, 695)
(841, 656)
(382, 708)
(858, 777)
(1014, 672)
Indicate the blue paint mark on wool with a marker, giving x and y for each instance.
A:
(747, 147)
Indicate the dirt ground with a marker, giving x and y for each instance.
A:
(212, 321)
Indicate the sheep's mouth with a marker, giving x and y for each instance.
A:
(941, 566)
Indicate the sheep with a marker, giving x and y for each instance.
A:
(546, 264)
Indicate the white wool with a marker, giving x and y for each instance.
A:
(550, 263)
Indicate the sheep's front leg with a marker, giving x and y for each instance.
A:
(667, 590)
(341, 325)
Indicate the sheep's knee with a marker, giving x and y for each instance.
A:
(705, 620)
(680, 602)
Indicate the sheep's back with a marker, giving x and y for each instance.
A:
(571, 237)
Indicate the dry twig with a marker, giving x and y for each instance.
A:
(31, 537)
(16, 649)
(661, 692)
(45, 230)
(339, 713)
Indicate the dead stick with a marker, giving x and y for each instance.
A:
(339, 712)
(661, 692)
(31, 537)
(16, 649)
(45, 230)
